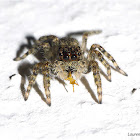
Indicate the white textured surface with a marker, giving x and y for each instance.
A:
(72, 115)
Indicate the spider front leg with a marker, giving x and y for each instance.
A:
(32, 80)
(46, 81)
(45, 70)
(97, 79)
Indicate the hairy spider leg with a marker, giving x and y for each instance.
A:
(103, 61)
(94, 46)
(41, 44)
(45, 70)
(97, 79)
(85, 36)
(46, 81)
(32, 80)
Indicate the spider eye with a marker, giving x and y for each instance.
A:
(79, 53)
(66, 57)
(60, 54)
(73, 57)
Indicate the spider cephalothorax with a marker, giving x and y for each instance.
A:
(69, 50)
(64, 58)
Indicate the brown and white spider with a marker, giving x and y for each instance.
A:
(64, 58)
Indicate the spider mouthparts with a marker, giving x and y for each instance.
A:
(72, 81)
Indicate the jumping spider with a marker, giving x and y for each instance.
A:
(64, 58)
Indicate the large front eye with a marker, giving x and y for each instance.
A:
(60, 54)
(73, 57)
(65, 56)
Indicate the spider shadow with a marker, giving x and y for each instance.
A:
(87, 86)
(24, 69)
